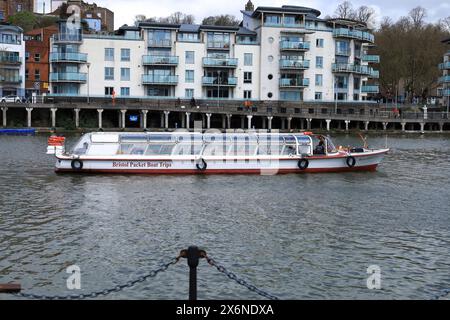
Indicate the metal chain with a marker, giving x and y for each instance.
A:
(105, 292)
(444, 294)
(240, 281)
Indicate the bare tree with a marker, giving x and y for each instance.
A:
(445, 23)
(221, 20)
(180, 17)
(417, 16)
(365, 14)
(345, 11)
(139, 18)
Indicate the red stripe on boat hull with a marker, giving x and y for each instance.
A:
(218, 171)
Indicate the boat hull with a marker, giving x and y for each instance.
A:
(318, 164)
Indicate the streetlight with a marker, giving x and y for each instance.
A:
(88, 66)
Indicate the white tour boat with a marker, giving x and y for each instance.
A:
(210, 153)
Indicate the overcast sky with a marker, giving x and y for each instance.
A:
(126, 10)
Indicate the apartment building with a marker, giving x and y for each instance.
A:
(11, 7)
(276, 54)
(444, 81)
(12, 61)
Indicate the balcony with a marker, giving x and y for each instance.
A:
(68, 57)
(213, 81)
(159, 79)
(160, 43)
(370, 89)
(353, 68)
(354, 34)
(150, 60)
(444, 79)
(446, 92)
(371, 58)
(220, 62)
(220, 45)
(343, 52)
(294, 45)
(445, 66)
(67, 38)
(68, 77)
(294, 83)
(11, 80)
(10, 59)
(294, 64)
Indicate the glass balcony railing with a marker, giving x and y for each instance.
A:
(444, 79)
(294, 64)
(68, 57)
(294, 45)
(371, 58)
(374, 74)
(370, 89)
(68, 77)
(11, 79)
(353, 68)
(10, 59)
(354, 34)
(446, 92)
(160, 60)
(294, 83)
(220, 62)
(343, 52)
(160, 43)
(213, 81)
(445, 66)
(218, 45)
(67, 37)
(159, 79)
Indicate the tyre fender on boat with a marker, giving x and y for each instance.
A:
(201, 165)
(77, 165)
(303, 164)
(351, 161)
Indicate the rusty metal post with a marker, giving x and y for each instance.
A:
(193, 256)
(10, 288)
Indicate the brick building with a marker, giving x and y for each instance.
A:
(37, 48)
(11, 7)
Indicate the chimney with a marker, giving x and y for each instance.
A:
(249, 6)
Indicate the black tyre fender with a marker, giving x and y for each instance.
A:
(201, 165)
(77, 165)
(303, 164)
(351, 161)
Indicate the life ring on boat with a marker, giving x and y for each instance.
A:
(201, 165)
(351, 161)
(303, 164)
(77, 165)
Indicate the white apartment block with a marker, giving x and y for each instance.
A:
(12, 61)
(444, 81)
(276, 54)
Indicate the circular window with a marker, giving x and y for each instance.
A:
(271, 39)
(270, 76)
(270, 58)
(270, 94)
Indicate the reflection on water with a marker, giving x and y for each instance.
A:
(297, 236)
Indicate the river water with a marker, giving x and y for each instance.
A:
(297, 236)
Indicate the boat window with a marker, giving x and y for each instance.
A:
(133, 138)
(187, 149)
(138, 149)
(287, 150)
(160, 138)
(290, 140)
(159, 149)
(265, 149)
(330, 146)
(215, 149)
(242, 149)
(125, 148)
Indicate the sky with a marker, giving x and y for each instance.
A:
(126, 10)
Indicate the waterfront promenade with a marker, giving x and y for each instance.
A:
(167, 114)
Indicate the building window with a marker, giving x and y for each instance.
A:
(109, 91)
(247, 77)
(355, 97)
(109, 54)
(37, 75)
(319, 43)
(356, 84)
(124, 54)
(247, 94)
(318, 96)
(109, 73)
(189, 93)
(125, 91)
(27, 74)
(319, 80)
(19, 8)
(319, 62)
(189, 76)
(124, 74)
(190, 57)
(37, 57)
(27, 56)
(248, 59)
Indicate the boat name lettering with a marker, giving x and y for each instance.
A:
(142, 164)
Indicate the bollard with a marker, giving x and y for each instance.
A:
(10, 288)
(193, 254)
